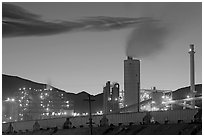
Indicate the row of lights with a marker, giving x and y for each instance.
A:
(35, 89)
(10, 99)
(109, 99)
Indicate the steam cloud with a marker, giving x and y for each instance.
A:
(146, 38)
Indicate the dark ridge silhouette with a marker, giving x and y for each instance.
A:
(11, 84)
(181, 93)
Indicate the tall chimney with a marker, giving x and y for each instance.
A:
(132, 82)
(192, 74)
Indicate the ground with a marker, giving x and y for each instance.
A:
(153, 129)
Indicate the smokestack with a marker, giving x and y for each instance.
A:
(192, 74)
(132, 82)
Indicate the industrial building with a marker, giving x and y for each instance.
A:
(35, 104)
(111, 98)
(136, 99)
(9, 110)
(131, 82)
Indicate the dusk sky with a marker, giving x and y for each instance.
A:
(80, 46)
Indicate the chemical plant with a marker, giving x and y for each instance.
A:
(51, 107)
(134, 99)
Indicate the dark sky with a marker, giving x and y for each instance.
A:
(79, 46)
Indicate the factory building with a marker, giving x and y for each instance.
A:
(115, 97)
(9, 110)
(111, 99)
(131, 82)
(34, 104)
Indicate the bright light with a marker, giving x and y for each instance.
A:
(109, 99)
(67, 105)
(111, 110)
(41, 97)
(67, 101)
(65, 113)
(163, 96)
(165, 109)
(51, 89)
(116, 99)
(47, 109)
(41, 104)
(153, 102)
(24, 88)
(29, 88)
(46, 94)
(152, 119)
(20, 105)
(53, 113)
(10, 117)
(19, 88)
(188, 96)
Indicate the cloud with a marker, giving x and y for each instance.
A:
(19, 22)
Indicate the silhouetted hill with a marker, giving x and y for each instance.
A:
(181, 93)
(11, 84)
(184, 92)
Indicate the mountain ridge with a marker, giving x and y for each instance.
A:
(11, 84)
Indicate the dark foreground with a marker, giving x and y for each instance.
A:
(160, 129)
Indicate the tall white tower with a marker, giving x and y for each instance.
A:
(192, 74)
(132, 82)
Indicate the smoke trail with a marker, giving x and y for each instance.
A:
(146, 39)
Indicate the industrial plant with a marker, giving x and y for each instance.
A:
(131, 105)
(135, 99)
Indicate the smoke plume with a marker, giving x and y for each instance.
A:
(146, 39)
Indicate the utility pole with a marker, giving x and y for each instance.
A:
(90, 116)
